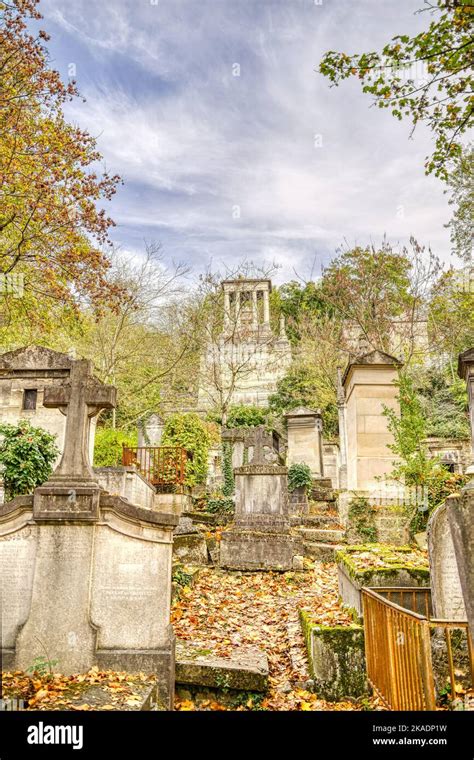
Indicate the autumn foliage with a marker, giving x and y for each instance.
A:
(51, 229)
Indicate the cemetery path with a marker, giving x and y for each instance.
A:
(226, 610)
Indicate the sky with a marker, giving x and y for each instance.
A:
(230, 143)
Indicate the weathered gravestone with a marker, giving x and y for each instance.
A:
(446, 591)
(261, 538)
(86, 576)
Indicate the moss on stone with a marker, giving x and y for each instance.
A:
(336, 658)
(394, 560)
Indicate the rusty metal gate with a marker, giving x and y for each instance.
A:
(398, 647)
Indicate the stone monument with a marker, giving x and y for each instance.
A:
(86, 575)
(261, 537)
(305, 439)
(369, 386)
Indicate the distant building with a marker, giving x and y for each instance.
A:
(245, 363)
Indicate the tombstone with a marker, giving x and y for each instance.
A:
(150, 431)
(446, 591)
(260, 538)
(369, 386)
(466, 371)
(86, 575)
(461, 506)
(305, 439)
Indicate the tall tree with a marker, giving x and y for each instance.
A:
(426, 78)
(52, 232)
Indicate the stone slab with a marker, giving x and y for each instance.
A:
(446, 590)
(245, 669)
(253, 550)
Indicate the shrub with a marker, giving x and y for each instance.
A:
(27, 454)
(194, 435)
(223, 506)
(246, 416)
(227, 469)
(108, 446)
(299, 476)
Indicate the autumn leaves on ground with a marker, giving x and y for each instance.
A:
(221, 612)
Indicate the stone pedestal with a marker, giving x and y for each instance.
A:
(369, 386)
(305, 439)
(86, 592)
(260, 539)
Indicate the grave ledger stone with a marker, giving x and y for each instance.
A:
(86, 576)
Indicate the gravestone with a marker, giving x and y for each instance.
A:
(260, 538)
(305, 439)
(461, 506)
(446, 591)
(150, 432)
(86, 575)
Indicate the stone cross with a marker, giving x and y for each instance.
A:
(258, 440)
(81, 398)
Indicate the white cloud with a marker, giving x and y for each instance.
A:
(194, 142)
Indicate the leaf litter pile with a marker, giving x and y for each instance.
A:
(221, 612)
(95, 690)
(225, 610)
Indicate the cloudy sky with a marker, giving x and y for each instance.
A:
(230, 143)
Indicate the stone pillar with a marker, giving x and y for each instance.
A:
(341, 415)
(369, 386)
(254, 309)
(266, 307)
(237, 306)
(466, 371)
(305, 439)
(226, 309)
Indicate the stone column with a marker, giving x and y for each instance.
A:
(341, 414)
(305, 439)
(237, 306)
(466, 371)
(369, 386)
(266, 307)
(254, 308)
(226, 309)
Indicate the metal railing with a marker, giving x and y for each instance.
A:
(163, 466)
(398, 647)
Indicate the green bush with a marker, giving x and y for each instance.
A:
(108, 446)
(222, 506)
(246, 416)
(27, 454)
(227, 469)
(194, 435)
(299, 476)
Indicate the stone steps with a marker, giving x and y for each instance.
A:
(329, 535)
(315, 521)
(322, 507)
